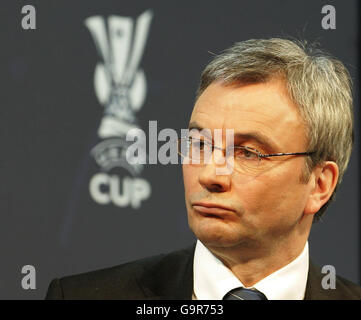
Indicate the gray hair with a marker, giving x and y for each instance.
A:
(319, 84)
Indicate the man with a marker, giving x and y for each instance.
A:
(291, 116)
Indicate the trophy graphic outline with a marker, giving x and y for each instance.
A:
(119, 83)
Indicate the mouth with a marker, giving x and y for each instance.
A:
(212, 209)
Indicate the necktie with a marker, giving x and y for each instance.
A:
(244, 294)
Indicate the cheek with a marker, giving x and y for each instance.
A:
(190, 179)
(271, 198)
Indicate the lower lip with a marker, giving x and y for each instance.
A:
(212, 211)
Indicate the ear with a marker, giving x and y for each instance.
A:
(322, 182)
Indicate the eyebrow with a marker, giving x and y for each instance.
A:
(258, 137)
(195, 125)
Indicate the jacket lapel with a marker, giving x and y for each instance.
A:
(314, 290)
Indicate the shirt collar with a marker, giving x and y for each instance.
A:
(212, 279)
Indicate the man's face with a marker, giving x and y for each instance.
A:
(241, 208)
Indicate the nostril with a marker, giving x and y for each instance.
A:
(215, 188)
(209, 179)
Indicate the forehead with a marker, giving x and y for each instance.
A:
(263, 108)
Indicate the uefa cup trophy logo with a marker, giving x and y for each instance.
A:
(120, 86)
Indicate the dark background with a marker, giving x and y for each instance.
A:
(49, 117)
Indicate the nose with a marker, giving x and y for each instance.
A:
(210, 178)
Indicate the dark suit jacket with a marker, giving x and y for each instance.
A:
(168, 276)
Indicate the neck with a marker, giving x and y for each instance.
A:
(250, 265)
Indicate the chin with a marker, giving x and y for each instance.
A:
(217, 235)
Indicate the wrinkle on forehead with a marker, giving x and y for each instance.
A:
(265, 107)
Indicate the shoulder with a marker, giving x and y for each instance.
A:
(118, 282)
(347, 288)
(338, 288)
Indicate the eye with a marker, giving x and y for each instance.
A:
(198, 144)
(248, 154)
(245, 153)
